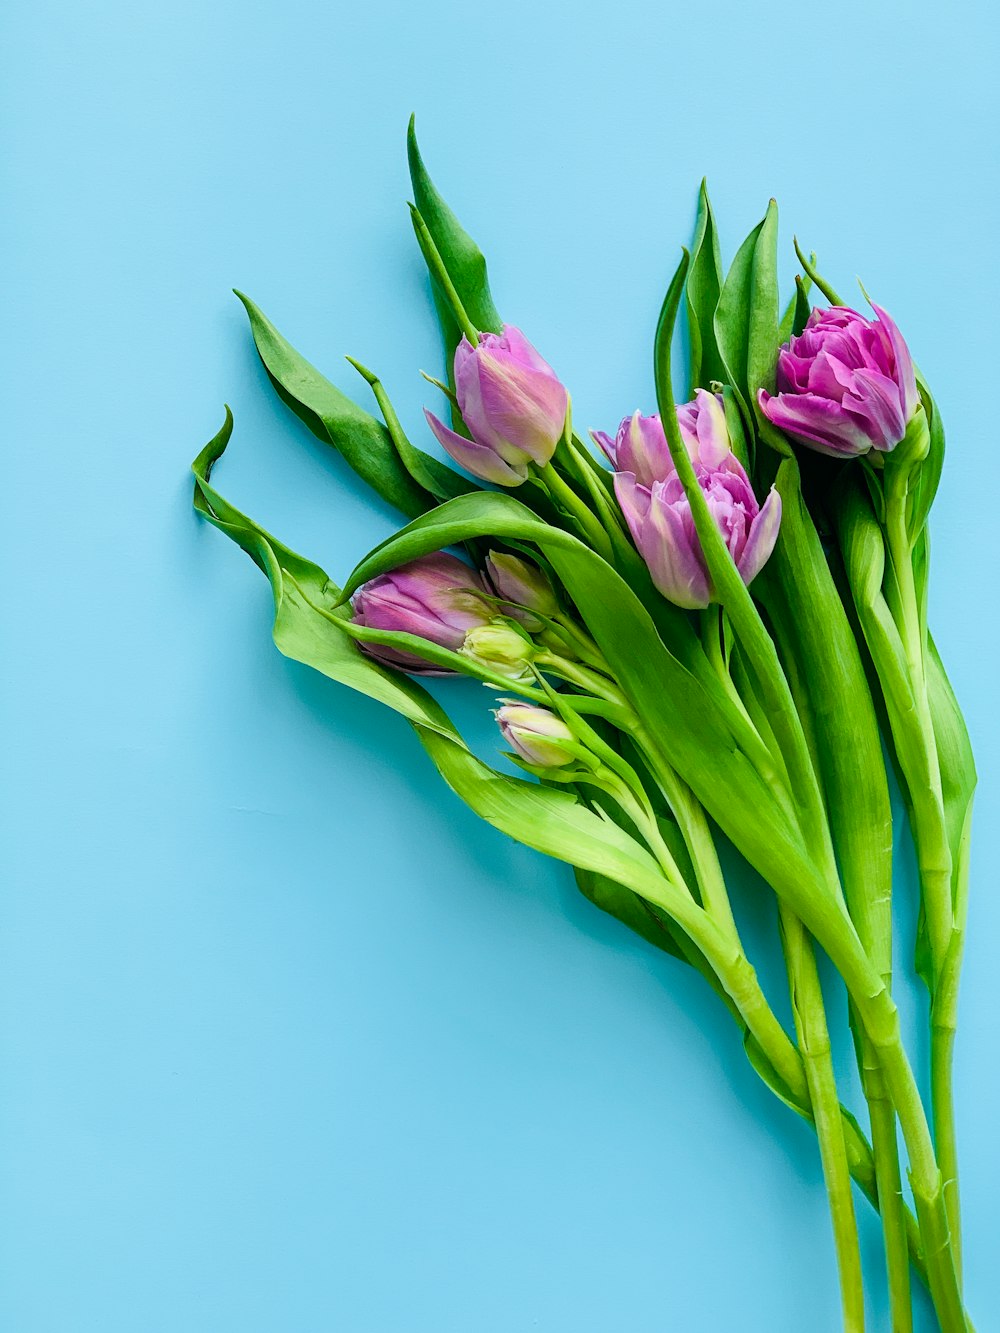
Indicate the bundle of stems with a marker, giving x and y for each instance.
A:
(726, 633)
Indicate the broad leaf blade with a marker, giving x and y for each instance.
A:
(363, 442)
(305, 600)
(704, 285)
(462, 258)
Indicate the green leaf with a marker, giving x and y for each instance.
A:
(704, 285)
(428, 472)
(763, 339)
(680, 706)
(462, 258)
(958, 767)
(797, 311)
(363, 442)
(826, 672)
(551, 821)
(924, 489)
(732, 330)
(631, 910)
(794, 773)
(306, 608)
(814, 276)
(306, 604)
(862, 546)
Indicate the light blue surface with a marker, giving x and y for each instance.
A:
(291, 1043)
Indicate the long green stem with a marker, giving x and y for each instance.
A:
(885, 1151)
(930, 829)
(935, 865)
(566, 499)
(943, 1024)
(814, 1043)
(881, 1020)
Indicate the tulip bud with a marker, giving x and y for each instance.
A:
(660, 519)
(502, 647)
(846, 384)
(437, 597)
(524, 585)
(536, 735)
(512, 403)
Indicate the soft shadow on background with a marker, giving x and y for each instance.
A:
(290, 1042)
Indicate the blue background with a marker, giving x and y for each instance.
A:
(289, 1040)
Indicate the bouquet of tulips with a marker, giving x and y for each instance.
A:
(715, 621)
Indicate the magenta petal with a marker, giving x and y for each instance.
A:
(633, 500)
(670, 548)
(712, 433)
(818, 422)
(878, 400)
(478, 459)
(606, 444)
(519, 348)
(763, 535)
(905, 374)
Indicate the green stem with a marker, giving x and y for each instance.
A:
(566, 499)
(929, 827)
(944, 1008)
(814, 1043)
(895, 1216)
(935, 862)
(877, 1173)
(881, 1020)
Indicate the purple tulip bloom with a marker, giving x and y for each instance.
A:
(512, 403)
(659, 516)
(437, 597)
(536, 735)
(845, 384)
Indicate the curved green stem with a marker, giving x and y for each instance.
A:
(585, 521)
(814, 1043)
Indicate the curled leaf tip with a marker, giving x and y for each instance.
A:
(213, 451)
(363, 371)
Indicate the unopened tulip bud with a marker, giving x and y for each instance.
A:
(846, 384)
(536, 735)
(502, 647)
(437, 597)
(523, 585)
(512, 403)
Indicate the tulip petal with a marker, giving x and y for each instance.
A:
(712, 433)
(905, 374)
(520, 349)
(877, 399)
(476, 458)
(763, 535)
(633, 500)
(606, 444)
(816, 421)
(670, 548)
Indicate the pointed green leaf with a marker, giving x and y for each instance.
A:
(704, 285)
(928, 476)
(825, 668)
(682, 710)
(732, 331)
(460, 255)
(363, 442)
(305, 603)
(435, 477)
(762, 332)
